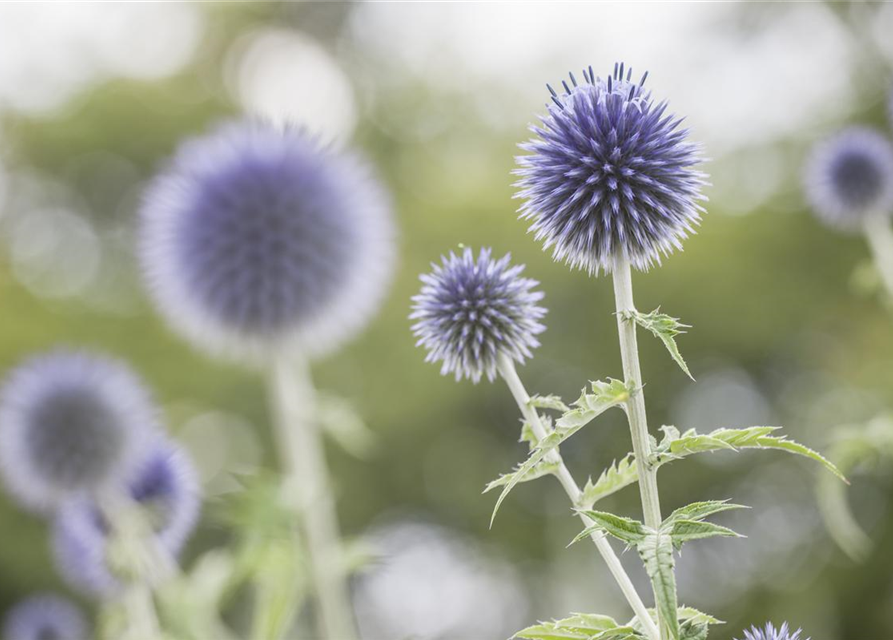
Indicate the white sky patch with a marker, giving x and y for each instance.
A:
(287, 77)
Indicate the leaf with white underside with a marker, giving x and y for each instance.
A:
(627, 530)
(656, 551)
(604, 396)
(665, 328)
(552, 402)
(620, 474)
(580, 626)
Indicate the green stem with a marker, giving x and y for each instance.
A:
(303, 457)
(635, 406)
(880, 240)
(508, 372)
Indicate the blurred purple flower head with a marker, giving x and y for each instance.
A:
(255, 239)
(609, 174)
(165, 486)
(470, 310)
(771, 633)
(45, 617)
(70, 423)
(849, 177)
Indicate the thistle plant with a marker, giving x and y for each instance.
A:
(260, 246)
(45, 616)
(611, 182)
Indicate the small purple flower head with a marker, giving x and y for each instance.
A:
(255, 239)
(70, 423)
(771, 633)
(469, 311)
(166, 487)
(45, 617)
(849, 177)
(609, 175)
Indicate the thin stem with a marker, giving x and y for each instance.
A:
(508, 372)
(300, 444)
(635, 406)
(880, 240)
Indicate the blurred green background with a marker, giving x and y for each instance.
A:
(788, 326)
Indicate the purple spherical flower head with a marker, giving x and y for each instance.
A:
(255, 239)
(166, 487)
(609, 175)
(70, 423)
(469, 311)
(45, 617)
(849, 178)
(771, 633)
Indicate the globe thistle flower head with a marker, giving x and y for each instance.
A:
(256, 238)
(165, 487)
(849, 178)
(610, 174)
(70, 423)
(471, 309)
(769, 632)
(45, 617)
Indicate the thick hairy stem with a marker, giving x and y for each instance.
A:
(880, 239)
(635, 406)
(303, 457)
(510, 375)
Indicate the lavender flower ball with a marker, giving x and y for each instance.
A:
(165, 486)
(45, 617)
(469, 311)
(610, 174)
(771, 633)
(70, 423)
(849, 178)
(255, 239)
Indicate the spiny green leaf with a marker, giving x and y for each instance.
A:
(620, 474)
(699, 511)
(548, 402)
(685, 530)
(656, 551)
(580, 626)
(542, 469)
(693, 631)
(589, 405)
(630, 531)
(663, 327)
(690, 614)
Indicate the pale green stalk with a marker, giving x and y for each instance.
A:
(309, 492)
(638, 422)
(508, 372)
(880, 240)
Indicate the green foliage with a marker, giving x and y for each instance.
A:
(693, 624)
(589, 405)
(552, 402)
(665, 328)
(656, 551)
(620, 474)
(581, 626)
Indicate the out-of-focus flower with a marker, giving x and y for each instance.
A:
(70, 423)
(469, 311)
(771, 633)
(45, 617)
(166, 489)
(849, 177)
(256, 239)
(609, 174)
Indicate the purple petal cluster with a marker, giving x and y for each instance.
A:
(469, 310)
(610, 174)
(165, 487)
(255, 238)
(771, 633)
(70, 423)
(45, 617)
(849, 177)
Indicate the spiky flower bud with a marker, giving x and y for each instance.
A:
(166, 489)
(771, 633)
(70, 423)
(849, 178)
(45, 617)
(256, 239)
(610, 174)
(469, 311)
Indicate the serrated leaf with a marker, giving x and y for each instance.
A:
(604, 396)
(699, 511)
(665, 328)
(627, 530)
(656, 551)
(693, 631)
(690, 614)
(580, 626)
(542, 469)
(620, 474)
(548, 402)
(686, 530)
